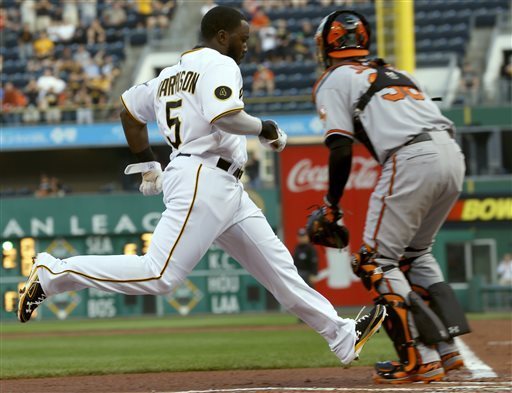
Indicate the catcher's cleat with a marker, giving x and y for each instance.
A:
(452, 361)
(31, 296)
(393, 373)
(368, 325)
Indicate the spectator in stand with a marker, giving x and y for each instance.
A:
(51, 106)
(76, 80)
(115, 15)
(70, 12)
(250, 6)
(61, 31)
(34, 67)
(44, 189)
(263, 80)
(307, 28)
(25, 39)
(65, 63)
(144, 11)
(56, 187)
(470, 84)
(44, 14)
(83, 103)
(12, 102)
(259, 19)
(284, 50)
(3, 19)
(268, 37)
(82, 56)
(300, 49)
(43, 46)
(48, 81)
(95, 33)
(99, 87)
(109, 67)
(87, 11)
(162, 12)
(28, 14)
(91, 69)
(505, 270)
(31, 113)
(80, 35)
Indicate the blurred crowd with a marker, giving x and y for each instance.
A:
(63, 54)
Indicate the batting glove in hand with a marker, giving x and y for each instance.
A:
(272, 136)
(151, 176)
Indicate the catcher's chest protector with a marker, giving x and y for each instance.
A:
(386, 77)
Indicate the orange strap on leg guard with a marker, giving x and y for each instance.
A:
(397, 328)
(365, 267)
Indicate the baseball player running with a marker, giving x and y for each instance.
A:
(198, 107)
(422, 176)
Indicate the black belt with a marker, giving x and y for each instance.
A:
(222, 164)
(424, 136)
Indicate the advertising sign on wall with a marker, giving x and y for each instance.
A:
(304, 181)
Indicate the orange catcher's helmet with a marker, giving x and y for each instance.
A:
(342, 34)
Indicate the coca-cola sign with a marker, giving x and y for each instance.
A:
(305, 175)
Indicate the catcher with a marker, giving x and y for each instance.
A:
(422, 176)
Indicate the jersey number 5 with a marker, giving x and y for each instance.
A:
(173, 122)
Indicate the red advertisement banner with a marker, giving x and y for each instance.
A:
(304, 181)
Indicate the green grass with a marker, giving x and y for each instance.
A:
(86, 347)
(101, 352)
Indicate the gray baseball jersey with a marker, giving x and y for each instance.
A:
(392, 117)
(420, 179)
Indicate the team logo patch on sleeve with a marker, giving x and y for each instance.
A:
(223, 92)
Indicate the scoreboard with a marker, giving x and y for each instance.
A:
(112, 225)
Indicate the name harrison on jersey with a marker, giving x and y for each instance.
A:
(182, 81)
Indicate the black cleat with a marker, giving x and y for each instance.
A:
(368, 325)
(31, 296)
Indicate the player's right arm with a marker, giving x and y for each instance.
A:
(138, 110)
(332, 106)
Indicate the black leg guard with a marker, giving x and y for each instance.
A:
(430, 328)
(446, 306)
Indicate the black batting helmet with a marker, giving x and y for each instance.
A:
(342, 34)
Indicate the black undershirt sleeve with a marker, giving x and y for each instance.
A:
(340, 162)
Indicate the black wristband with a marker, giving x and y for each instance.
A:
(145, 155)
(269, 129)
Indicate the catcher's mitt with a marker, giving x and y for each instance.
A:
(325, 231)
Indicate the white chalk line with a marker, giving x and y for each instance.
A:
(431, 388)
(477, 367)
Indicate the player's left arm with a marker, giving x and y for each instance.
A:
(222, 104)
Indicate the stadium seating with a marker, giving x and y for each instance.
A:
(442, 28)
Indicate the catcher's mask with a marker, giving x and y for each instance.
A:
(342, 34)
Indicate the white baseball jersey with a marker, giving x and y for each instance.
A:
(391, 118)
(204, 203)
(187, 98)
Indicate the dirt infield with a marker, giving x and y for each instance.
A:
(491, 341)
